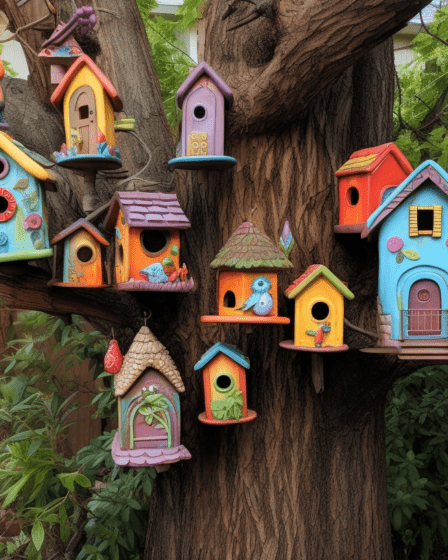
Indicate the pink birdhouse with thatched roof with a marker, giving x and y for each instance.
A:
(147, 387)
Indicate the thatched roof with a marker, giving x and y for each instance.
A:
(146, 351)
(249, 248)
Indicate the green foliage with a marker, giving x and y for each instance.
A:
(48, 493)
(417, 462)
(229, 408)
(8, 68)
(420, 109)
(167, 51)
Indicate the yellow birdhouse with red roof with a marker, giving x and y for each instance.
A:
(319, 311)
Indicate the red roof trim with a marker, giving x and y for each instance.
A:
(59, 92)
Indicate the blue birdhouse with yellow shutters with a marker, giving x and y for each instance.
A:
(24, 176)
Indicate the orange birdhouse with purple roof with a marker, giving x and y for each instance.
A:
(82, 265)
(248, 266)
(224, 373)
(365, 180)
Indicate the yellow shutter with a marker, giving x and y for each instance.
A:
(413, 227)
(437, 229)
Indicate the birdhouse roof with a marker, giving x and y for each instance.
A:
(229, 350)
(428, 170)
(81, 223)
(25, 161)
(204, 68)
(249, 248)
(146, 351)
(55, 48)
(366, 161)
(147, 210)
(310, 274)
(84, 60)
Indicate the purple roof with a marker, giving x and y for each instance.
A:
(147, 210)
(81, 223)
(204, 68)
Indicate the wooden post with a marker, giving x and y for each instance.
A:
(90, 200)
(317, 371)
(202, 176)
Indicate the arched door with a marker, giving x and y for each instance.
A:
(83, 126)
(424, 315)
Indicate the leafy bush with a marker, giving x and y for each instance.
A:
(417, 462)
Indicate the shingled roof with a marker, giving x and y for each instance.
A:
(229, 350)
(310, 274)
(249, 248)
(146, 351)
(147, 210)
(193, 77)
(369, 159)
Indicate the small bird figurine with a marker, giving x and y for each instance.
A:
(260, 300)
(319, 334)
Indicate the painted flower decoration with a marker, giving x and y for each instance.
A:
(394, 244)
(3, 238)
(33, 221)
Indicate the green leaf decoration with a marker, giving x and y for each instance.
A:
(411, 254)
(230, 408)
(175, 250)
(20, 234)
(21, 185)
(399, 258)
(38, 534)
(311, 333)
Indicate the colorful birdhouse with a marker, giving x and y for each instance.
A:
(319, 311)
(412, 229)
(82, 256)
(248, 266)
(87, 100)
(3, 124)
(147, 388)
(23, 216)
(365, 180)
(225, 386)
(147, 242)
(203, 98)
(59, 52)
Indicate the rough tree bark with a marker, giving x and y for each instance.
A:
(312, 83)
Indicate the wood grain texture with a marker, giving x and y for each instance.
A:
(315, 41)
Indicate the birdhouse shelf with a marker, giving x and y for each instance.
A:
(248, 266)
(224, 378)
(87, 100)
(412, 231)
(147, 242)
(147, 388)
(203, 98)
(23, 215)
(82, 256)
(365, 180)
(319, 311)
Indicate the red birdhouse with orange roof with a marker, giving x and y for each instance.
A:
(364, 182)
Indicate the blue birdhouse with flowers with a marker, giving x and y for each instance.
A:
(24, 177)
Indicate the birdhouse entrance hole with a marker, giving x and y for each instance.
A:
(154, 241)
(3, 204)
(199, 112)
(352, 196)
(4, 167)
(84, 254)
(224, 383)
(229, 299)
(320, 311)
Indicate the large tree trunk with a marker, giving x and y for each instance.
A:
(306, 480)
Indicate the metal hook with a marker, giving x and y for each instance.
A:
(113, 334)
(145, 319)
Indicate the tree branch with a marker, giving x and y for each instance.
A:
(277, 68)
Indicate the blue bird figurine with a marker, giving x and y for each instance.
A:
(155, 273)
(260, 300)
